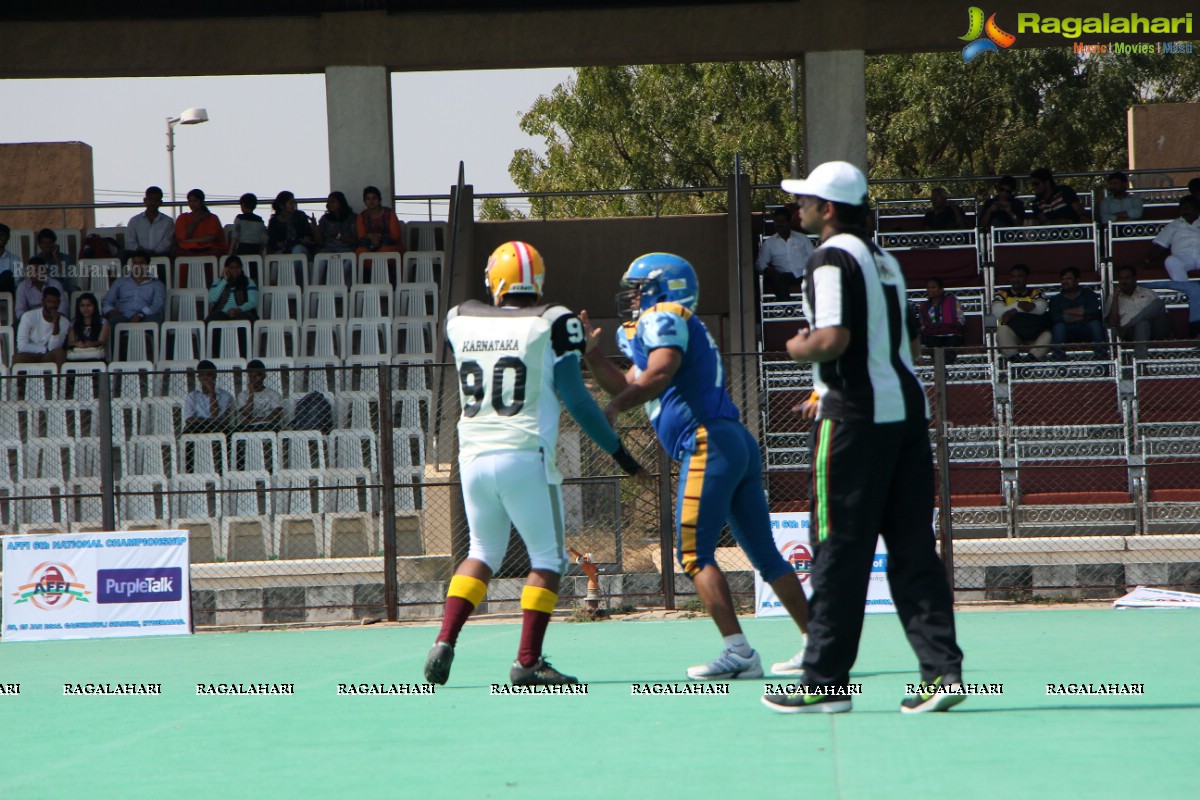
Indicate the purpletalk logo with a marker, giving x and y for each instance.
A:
(995, 39)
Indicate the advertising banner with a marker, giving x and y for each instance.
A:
(90, 585)
(791, 534)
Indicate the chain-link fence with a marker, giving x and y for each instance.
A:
(1076, 476)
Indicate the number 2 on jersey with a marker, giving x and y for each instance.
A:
(475, 388)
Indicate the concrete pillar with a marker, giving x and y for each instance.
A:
(835, 108)
(358, 105)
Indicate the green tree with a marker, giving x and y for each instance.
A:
(929, 116)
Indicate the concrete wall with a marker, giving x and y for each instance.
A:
(484, 40)
(1164, 135)
(585, 259)
(45, 173)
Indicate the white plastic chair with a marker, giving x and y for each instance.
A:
(361, 373)
(302, 450)
(181, 341)
(332, 269)
(321, 339)
(97, 275)
(131, 380)
(41, 506)
(142, 502)
(150, 455)
(196, 507)
(80, 379)
(246, 529)
(187, 305)
(193, 272)
(231, 375)
(297, 524)
(317, 374)
(8, 310)
(160, 416)
(411, 371)
(371, 300)
(276, 338)
(425, 235)
(12, 457)
(414, 336)
(370, 337)
(409, 452)
(281, 303)
(229, 339)
(423, 266)
(85, 505)
(86, 461)
(136, 341)
(357, 411)
(160, 268)
(417, 300)
(174, 379)
(23, 242)
(33, 383)
(378, 268)
(279, 372)
(254, 451)
(203, 454)
(285, 269)
(410, 408)
(330, 303)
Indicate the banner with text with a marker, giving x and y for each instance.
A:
(90, 585)
(791, 534)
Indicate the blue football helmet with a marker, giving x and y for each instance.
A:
(657, 278)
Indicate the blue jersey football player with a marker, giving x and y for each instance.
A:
(678, 375)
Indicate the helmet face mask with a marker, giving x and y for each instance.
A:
(514, 268)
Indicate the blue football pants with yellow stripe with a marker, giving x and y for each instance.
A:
(872, 479)
(720, 481)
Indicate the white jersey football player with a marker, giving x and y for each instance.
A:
(518, 364)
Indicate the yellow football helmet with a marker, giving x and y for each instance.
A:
(514, 267)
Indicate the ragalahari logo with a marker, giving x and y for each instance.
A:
(979, 44)
(52, 587)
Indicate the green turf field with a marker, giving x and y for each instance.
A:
(463, 742)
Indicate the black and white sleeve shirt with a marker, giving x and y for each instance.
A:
(855, 285)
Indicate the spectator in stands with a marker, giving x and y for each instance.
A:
(249, 231)
(1054, 203)
(198, 232)
(234, 296)
(1119, 205)
(1003, 209)
(290, 230)
(260, 408)
(136, 297)
(337, 232)
(31, 290)
(9, 262)
(1136, 313)
(944, 215)
(58, 263)
(1021, 319)
(1075, 314)
(42, 332)
(1177, 248)
(783, 256)
(150, 231)
(206, 408)
(89, 330)
(377, 227)
(941, 319)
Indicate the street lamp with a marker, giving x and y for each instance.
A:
(190, 116)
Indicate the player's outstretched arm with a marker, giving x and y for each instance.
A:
(607, 374)
(661, 366)
(568, 382)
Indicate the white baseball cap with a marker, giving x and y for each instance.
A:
(838, 181)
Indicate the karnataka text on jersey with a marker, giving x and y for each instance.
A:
(385, 688)
(112, 688)
(1095, 688)
(678, 688)
(245, 688)
(849, 689)
(955, 688)
(488, 345)
(570, 688)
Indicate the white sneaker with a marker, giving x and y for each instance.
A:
(794, 665)
(728, 665)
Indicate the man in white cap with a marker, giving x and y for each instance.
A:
(873, 471)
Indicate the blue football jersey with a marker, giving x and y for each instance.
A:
(696, 394)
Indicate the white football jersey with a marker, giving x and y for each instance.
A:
(505, 358)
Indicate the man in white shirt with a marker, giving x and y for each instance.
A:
(783, 257)
(1120, 205)
(1177, 248)
(206, 408)
(42, 332)
(1136, 313)
(260, 408)
(150, 230)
